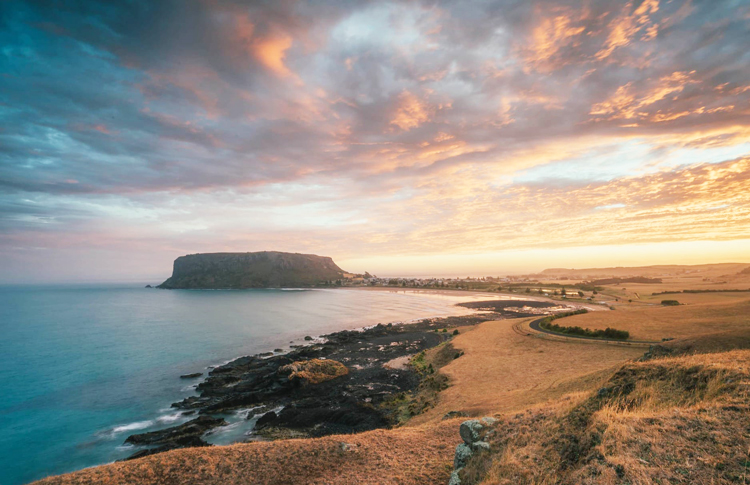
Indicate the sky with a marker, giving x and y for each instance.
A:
(407, 138)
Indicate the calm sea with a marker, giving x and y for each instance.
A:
(81, 368)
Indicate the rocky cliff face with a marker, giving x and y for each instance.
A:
(266, 269)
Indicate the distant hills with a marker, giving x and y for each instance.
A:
(265, 269)
(716, 269)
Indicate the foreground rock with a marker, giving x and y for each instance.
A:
(183, 436)
(474, 433)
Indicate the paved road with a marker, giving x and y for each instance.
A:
(535, 326)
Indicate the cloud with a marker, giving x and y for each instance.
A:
(432, 106)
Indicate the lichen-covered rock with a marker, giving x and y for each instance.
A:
(455, 479)
(480, 446)
(463, 453)
(473, 432)
(470, 431)
(314, 371)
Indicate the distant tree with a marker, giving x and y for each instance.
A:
(528, 290)
(580, 293)
(595, 292)
(540, 291)
(563, 292)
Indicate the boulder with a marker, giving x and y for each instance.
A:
(455, 479)
(462, 456)
(266, 419)
(480, 446)
(470, 431)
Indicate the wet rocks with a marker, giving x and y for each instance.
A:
(266, 420)
(191, 376)
(337, 385)
(185, 435)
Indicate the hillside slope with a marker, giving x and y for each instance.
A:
(266, 269)
(673, 420)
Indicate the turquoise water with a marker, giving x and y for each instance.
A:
(81, 368)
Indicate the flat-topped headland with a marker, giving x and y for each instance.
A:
(264, 269)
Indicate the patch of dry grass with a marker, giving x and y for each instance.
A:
(716, 313)
(675, 420)
(404, 456)
(315, 371)
(503, 371)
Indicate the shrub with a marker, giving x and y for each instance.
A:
(670, 302)
(455, 332)
(609, 333)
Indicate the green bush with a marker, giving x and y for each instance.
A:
(670, 302)
(609, 333)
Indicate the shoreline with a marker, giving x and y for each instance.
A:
(263, 401)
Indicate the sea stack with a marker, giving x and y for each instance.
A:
(265, 269)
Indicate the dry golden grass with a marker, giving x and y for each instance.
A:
(315, 371)
(400, 456)
(716, 312)
(503, 371)
(662, 432)
(676, 420)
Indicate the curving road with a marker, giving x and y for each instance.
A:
(534, 325)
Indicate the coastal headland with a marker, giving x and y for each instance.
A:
(567, 409)
(264, 269)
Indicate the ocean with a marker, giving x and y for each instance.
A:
(83, 367)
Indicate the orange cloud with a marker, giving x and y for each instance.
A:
(625, 27)
(627, 104)
(271, 52)
(411, 112)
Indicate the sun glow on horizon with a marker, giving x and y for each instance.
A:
(416, 137)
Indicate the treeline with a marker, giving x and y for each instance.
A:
(609, 333)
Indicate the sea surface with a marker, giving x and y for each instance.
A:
(83, 367)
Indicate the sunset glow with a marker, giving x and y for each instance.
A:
(413, 138)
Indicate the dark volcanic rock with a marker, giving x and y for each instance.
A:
(265, 420)
(266, 269)
(351, 402)
(191, 376)
(185, 435)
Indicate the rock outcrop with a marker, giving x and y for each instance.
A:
(266, 269)
(185, 435)
(473, 432)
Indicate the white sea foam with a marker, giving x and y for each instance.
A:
(132, 426)
(169, 418)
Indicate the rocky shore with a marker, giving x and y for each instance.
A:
(345, 382)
